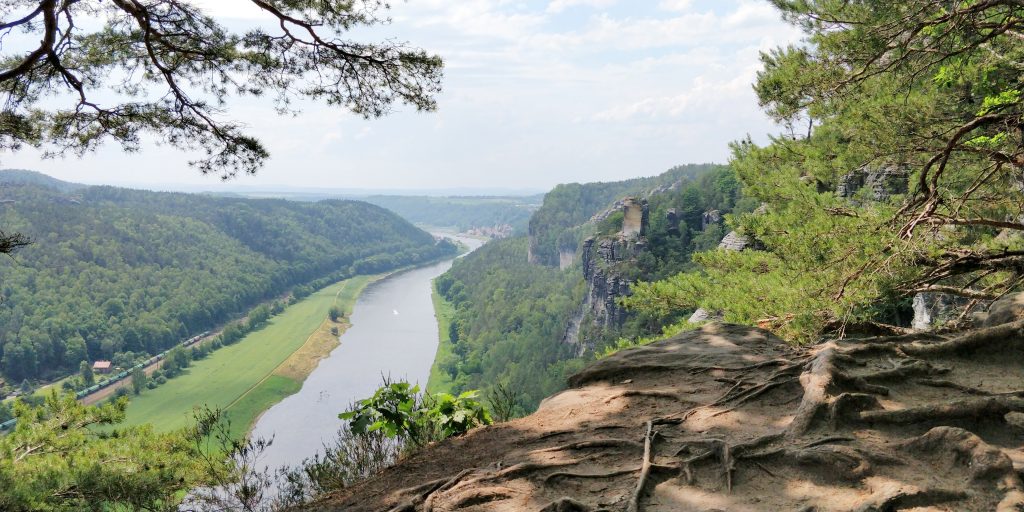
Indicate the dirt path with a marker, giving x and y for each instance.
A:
(729, 418)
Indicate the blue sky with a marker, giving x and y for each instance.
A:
(535, 93)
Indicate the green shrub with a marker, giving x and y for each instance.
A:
(401, 412)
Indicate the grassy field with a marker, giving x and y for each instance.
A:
(243, 379)
(439, 381)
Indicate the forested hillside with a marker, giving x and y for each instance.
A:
(522, 323)
(114, 270)
(509, 317)
(568, 207)
(462, 213)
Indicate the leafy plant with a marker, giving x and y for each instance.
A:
(400, 411)
(455, 415)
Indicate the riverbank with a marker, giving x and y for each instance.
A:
(262, 368)
(440, 381)
(394, 334)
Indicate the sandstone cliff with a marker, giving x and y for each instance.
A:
(731, 418)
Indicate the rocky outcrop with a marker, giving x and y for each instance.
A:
(710, 218)
(734, 242)
(601, 259)
(883, 182)
(935, 309)
(1005, 310)
(732, 418)
(672, 219)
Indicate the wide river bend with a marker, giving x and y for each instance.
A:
(393, 333)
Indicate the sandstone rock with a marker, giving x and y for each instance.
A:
(883, 182)
(702, 315)
(1005, 310)
(734, 242)
(709, 219)
(935, 309)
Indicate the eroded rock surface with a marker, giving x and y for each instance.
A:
(730, 418)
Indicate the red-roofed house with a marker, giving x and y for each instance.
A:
(101, 367)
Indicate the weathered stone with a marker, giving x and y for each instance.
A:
(709, 219)
(734, 242)
(1007, 309)
(672, 219)
(635, 217)
(883, 182)
(933, 310)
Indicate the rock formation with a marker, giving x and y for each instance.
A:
(710, 218)
(883, 182)
(731, 418)
(734, 242)
(601, 261)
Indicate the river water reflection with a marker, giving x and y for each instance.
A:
(393, 333)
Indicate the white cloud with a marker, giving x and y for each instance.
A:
(557, 6)
(535, 93)
(675, 5)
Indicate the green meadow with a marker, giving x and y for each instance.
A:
(240, 379)
(440, 381)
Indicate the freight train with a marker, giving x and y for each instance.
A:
(113, 379)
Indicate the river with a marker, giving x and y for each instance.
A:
(393, 333)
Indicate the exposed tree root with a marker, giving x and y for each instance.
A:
(645, 470)
(646, 393)
(816, 381)
(906, 369)
(608, 474)
(903, 501)
(935, 383)
(968, 341)
(976, 408)
(695, 370)
(597, 443)
(480, 495)
(423, 492)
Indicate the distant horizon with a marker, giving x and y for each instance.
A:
(256, 190)
(535, 93)
(240, 188)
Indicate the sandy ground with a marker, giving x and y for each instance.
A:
(730, 418)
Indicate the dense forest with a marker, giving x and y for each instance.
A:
(112, 271)
(461, 213)
(566, 208)
(511, 315)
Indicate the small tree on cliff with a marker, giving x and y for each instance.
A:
(926, 86)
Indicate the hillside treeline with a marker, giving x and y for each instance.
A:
(511, 316)
(461, 213)
(115, 270)
(567, 207)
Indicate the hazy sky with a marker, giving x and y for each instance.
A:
(535, 93)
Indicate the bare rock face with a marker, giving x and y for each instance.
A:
(635, 217)
(672, 219)
(734, 242)
(605, 285)
(935, 309)
(710, 218)
(601, 259)
(883, 182)
(1005, 310)
(703, 315)
(731, 418)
